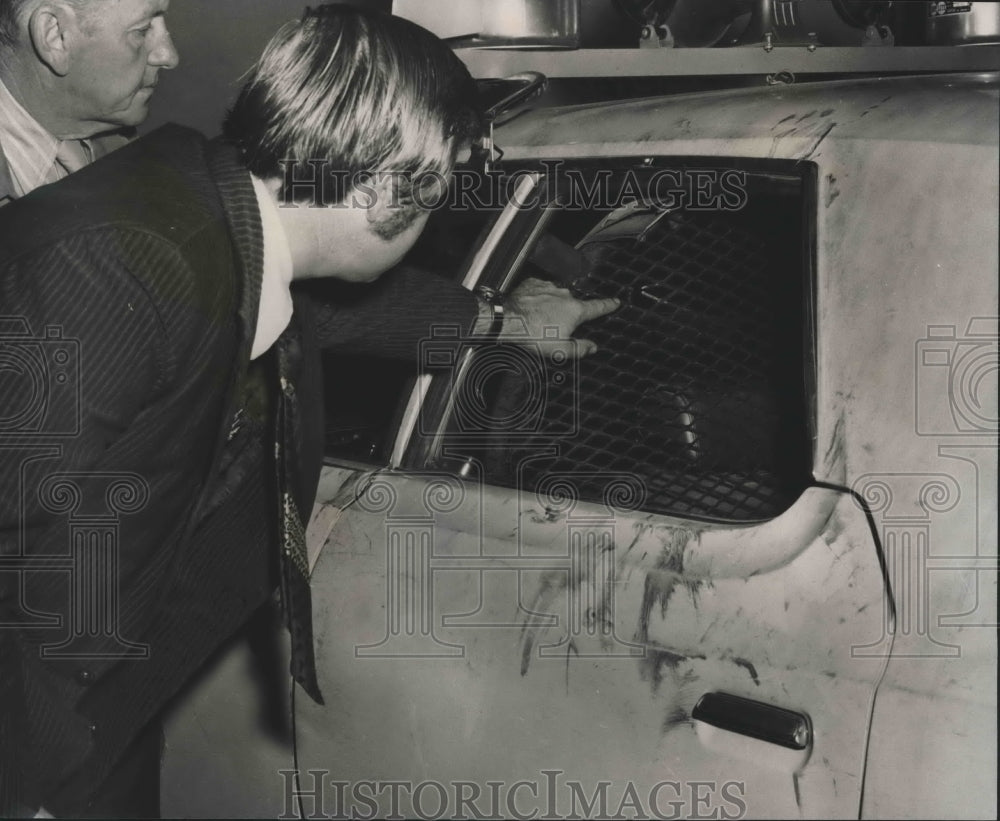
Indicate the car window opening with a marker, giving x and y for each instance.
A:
(699, 389)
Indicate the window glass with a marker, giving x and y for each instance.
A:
(699, 388)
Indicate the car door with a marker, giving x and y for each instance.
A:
(563, 587)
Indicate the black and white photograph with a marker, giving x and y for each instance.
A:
(499, 409)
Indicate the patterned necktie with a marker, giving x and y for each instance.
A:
(294, 562)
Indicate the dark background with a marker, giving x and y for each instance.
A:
(218, 41)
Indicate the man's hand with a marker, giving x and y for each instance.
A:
(536, 305)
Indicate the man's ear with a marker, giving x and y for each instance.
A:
(387, 214)
(48, 27)
(379, 195)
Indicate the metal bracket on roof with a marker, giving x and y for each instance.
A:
(654, 36)
(780, 78)
(530, 84)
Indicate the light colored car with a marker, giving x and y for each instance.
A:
(742, 561)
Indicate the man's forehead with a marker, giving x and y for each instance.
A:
(146, 8)
(129, 9)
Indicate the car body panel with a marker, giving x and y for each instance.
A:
(552, 637)
(913, 269)
(525, 653)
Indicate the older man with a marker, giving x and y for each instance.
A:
(195, 412)
(75, 75)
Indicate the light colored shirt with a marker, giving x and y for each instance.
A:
(34, 156)
(275, 310)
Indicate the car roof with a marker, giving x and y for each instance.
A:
(943, 108)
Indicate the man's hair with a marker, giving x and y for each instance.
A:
(360, 94)
(10, 12)
(10, 18)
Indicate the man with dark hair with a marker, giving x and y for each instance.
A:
(196, 415)
(75, 77)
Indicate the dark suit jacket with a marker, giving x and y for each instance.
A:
(146, 268)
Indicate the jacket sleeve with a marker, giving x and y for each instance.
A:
(81, 354)
(390, 317)
(84, 353)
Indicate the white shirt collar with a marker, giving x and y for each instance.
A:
(275, 310)
(30, 149)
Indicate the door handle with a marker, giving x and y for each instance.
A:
(765, 722)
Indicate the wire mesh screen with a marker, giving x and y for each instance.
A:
(697, 389)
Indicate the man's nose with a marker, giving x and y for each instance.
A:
(164, 55)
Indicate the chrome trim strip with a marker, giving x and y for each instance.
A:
(525, 186)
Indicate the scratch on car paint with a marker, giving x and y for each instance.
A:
(835, 450)
(875, 105)
(806, 116)
(783, 120)
(641, 529)
(709, 629)
(675, 718)
(529, 643)
(570, 646)
(833, 192)
(660, 581)
(659, 587)
(822, 137)
(749, 667)
(660, 547)
(798, 792)
(652, 664)
(826, 113)
(552, 583)
(549, 516)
